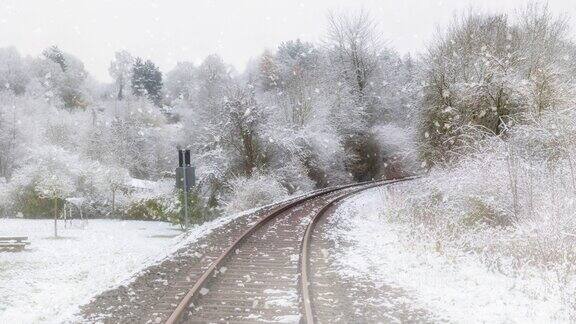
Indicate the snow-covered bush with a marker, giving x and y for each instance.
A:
(245, 193)
(154, 209)
(498, 121)
(156, 201)
(326, 157)
(512, 204)
(49, 175)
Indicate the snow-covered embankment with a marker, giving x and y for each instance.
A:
(457, 287)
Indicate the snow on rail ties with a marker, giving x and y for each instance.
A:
(262, 274)
(310, 315)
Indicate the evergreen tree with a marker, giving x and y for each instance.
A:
(147, 80)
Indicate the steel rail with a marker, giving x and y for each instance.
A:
(308, 308)
(185, 302)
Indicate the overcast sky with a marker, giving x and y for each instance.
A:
(168, 31)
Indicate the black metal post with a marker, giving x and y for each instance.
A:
(187, 158)
(180, 158)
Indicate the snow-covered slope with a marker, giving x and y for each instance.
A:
(458, 288)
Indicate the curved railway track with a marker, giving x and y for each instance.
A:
(264, 274)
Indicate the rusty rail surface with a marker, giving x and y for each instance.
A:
(203, 280)
(303, 285)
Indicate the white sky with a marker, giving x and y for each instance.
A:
(168, 31)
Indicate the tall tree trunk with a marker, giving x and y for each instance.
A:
(250, 155)
(120, 91)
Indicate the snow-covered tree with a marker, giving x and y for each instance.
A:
(353, 45)
(214, 78)
(55, 187)
(14, 74)
(485, 73)
(121, 70)
(297, 91)
(181, 83)
(59, 77)
(9, 135)
(241, 129)
(115, 179)
(54, 177)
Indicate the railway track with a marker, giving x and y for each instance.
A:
(264, 274)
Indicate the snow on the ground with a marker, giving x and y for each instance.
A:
(460, 289)
(53, 277)
(45, 282)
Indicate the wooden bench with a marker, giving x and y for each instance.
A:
(13, 243)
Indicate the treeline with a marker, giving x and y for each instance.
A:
(301, 116)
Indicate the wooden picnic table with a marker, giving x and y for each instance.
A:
(13, 243)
